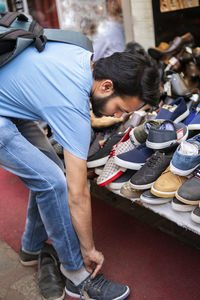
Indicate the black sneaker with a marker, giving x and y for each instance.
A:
(144, 178)
(180, 206)
(189, 191)
(149, 198)
(50, 280)
(101, 157)
(195, 215)
(27, 259)
(98, 288)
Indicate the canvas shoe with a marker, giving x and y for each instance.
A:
(111, 171)
(186, 157)
(166, 135)
(195, 215)
(118, 183)
(98, 288)
(189, 192)
(167, 184)
(100, 158)
(138, 135)
(98, 170)
(195, 122)
(150, 171)
(176, 111)
(149, 198)
(127, 191)
(180, 206)
(135, 158)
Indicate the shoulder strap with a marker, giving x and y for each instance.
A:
(68, 36)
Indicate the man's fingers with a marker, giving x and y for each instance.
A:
(96, 270)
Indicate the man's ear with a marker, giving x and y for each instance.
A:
(106, 87)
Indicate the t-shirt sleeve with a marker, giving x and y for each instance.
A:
(71, 129)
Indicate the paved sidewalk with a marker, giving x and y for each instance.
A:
(16, 282)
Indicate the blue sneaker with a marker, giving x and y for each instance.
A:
(184, 164)
(195, 122)
(98, 288)
(176, 111)
(191, 116)
(135, 158)
(166, 135)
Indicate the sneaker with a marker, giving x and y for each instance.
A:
(50, 280)
(27, 259)
(167, 184)
(180, 206)
(149, 198)
(189, 192)
(176, 111)
(111, 171)
(195, 215)
(153, 168)
(98, 288)
(130, 193)
(118, 183)
(166, 135)
(98, 170)
(100, 158)
(186, 157)
(195, 122)
(138, 135)
(135, 158)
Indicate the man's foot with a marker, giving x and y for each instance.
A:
(27, 259)
(50, 280)
(98, 288)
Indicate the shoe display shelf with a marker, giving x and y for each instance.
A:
(163, 217)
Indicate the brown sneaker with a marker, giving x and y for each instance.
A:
(127, 191)
(167, 184)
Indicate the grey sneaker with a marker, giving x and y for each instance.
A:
(98, 288)
(195, 215)
(138, 135)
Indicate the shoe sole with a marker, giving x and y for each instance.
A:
(155, 201)
(73, 295)
(195, 218)
(162, 194)
(98, 171)
(98, 162)
(182, 117)
(141, 187)
(183, 208)
(185, 200)
(128, 164)
(29, 263)
(180, 172)
(60, 298)
(194, 126)
(158, 146)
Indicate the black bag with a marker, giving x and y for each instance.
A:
(17, 32)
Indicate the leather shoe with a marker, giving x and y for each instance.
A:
(174, 47)
(50, 280)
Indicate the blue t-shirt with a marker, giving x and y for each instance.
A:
(53, 86)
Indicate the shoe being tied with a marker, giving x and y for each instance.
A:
(98, 288)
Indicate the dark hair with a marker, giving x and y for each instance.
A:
(132, 75)
(134, 48)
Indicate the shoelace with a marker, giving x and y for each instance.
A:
(97, 282)
(155, 158)
(112, 152)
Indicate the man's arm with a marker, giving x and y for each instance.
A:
(80, 209)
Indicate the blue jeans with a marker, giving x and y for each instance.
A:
(26, 152)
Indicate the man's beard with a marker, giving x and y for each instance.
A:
(98, 104)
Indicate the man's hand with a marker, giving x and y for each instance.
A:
(93, 261)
